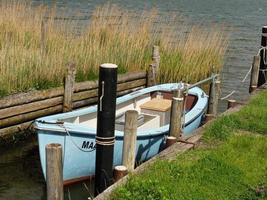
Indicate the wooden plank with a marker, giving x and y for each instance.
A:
(6, 133)
(88, 85)
(23, 98)
(122, 86)
(93, 100)
(85, 95)
(155, 104)
(131, 84)
(85, 102)
(26, 108)
(29, 116)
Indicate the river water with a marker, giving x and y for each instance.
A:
(20, 172)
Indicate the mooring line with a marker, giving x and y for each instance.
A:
(62, 126)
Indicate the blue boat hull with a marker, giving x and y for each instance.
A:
(79, 146)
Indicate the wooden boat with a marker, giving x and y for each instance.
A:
(76, 130)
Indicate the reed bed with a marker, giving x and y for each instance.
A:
(35, 46)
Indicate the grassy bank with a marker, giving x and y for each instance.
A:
(34, 59)
(231, 163)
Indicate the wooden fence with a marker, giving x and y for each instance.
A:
(18, 111)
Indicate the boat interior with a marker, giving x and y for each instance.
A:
(154, 111)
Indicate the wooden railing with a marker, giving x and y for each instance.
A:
(18, 111)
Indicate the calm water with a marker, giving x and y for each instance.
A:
(20, 172)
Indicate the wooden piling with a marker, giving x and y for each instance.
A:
(231, 103)
(209, 117)
(54, 172)
(214, 94)
(105, 134)
(254, 73)
(170, 141)
(69, 82)
(176, 114)
(150, 76)
(263, 57)
(153, 69)
(119, 172)
(129, 141)
(156, 58)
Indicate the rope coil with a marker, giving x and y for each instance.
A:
(105, 141)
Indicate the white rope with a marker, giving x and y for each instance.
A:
(264, 54)
(225, 97)
(62, 126)
(264, 75)
(247, 74)
(243, 80)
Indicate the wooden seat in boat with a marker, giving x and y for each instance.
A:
(159, 107)
(156, 104)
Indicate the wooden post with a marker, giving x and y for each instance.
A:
(214, 94)
(150, 76)
(129, 141)
(69, 87)
(209, 117)
(231, 103)
(105, 134)
(254, 73)
(153, 69)
(54, 172)
(119, 172)
(170, 141)
(156, 58)
(263, 56)
(176, 114)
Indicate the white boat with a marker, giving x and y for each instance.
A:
(76, 130)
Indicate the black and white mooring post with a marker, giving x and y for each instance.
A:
(263, 54)
(105, 137)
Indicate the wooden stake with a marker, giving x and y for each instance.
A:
(216, 97)
(150, 76)
(263, 56)
(170, 141)
(129, 141)
(153, 69)
(176, 114)
(231, 103)
(254, 73)
(156, 58)
(54, 172)
(69, 87)
(119, 172)
(209, 117)
(214, 94)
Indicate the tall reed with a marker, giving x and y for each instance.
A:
(35, 46)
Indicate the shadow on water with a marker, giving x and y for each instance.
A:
(21, 175)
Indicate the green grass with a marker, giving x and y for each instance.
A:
(231, 163)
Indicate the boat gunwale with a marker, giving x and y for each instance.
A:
(79, 129)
